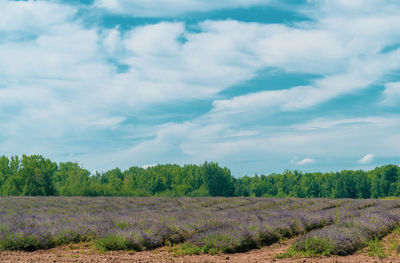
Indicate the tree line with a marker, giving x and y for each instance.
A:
(34, 175)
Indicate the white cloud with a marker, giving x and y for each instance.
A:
(168, 8)
(353, 8)
(391, 94)
(33, 16)
(159, 40)
(59, 83)
(306, 161)
(364, 74)
(369, 158)
(162, 68)
(321, 123)
(148, 165)
(112, 41)
(264, 146)
(49, 82)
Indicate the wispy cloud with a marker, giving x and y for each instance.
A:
(60, 79)
(170, 8)
(391, 94)
(306, 161)
(369, 158)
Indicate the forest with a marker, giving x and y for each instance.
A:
(35, 175)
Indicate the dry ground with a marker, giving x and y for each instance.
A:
(85, 253)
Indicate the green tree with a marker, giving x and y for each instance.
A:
(72, 180)
(36, 175)
(217, 180)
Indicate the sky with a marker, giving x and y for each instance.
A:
(259, 86)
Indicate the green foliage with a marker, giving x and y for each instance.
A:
(217, 180)
(394, 242)
(35, 175)
(117, 242)
(375, 248)
(186, 249)
(72, 180)
(315, 246)
(201, 191)
(20, 241)
(122, 225)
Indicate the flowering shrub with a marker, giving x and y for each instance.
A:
(202, 224)
(349, 235)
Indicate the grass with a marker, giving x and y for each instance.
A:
(375, 248)
(122, 225)
(312, 247)
(390, 198)
(26, 242)
(378, 248)
(394, 242)
(116, 242)
(186, 249)
(316, 246)
(319, 247)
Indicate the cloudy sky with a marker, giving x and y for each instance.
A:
(255, 85)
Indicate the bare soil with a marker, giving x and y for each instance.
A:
(85, 253)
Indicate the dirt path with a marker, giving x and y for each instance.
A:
(84, 253)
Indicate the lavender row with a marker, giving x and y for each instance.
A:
(224, 224)
(349, 235)
(244, 233)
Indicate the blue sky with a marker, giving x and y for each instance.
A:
(256, 85)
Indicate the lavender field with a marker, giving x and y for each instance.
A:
(195, 225)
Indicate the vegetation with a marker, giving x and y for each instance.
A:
(191, 225)
(351, 234)
(35, 175)
(377, 247)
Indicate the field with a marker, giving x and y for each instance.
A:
(191, 226)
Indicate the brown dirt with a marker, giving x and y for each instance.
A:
(85, 253)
